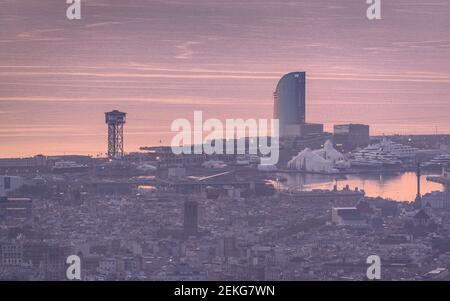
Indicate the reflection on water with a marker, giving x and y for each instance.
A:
(396, 186)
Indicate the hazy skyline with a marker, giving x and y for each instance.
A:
(161, 60)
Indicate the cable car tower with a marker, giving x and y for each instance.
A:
(115, 121)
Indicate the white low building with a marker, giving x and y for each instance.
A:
(328, 152)
(308, 160)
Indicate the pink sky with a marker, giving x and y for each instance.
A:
(161, 60)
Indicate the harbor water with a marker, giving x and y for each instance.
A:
(399, 186)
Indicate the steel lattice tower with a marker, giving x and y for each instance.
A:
(115, 121)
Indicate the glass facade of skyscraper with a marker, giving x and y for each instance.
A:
(289, 98)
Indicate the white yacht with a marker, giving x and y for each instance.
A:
(386, 154)
(377, 160)
(438, 162)
(398, 150)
